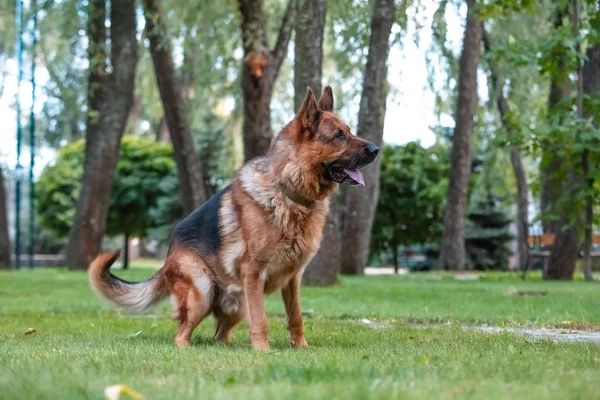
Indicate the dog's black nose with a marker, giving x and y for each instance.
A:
(372, 150)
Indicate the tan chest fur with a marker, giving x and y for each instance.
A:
(266, 233)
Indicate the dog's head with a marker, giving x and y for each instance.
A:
(326, 143)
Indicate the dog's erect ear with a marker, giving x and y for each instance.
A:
(309, 114)
(326, 100)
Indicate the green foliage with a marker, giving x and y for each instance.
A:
(216, 153)
(488, 236)
(142, 192)
(411, 198)
(62, 51)
(58, 188)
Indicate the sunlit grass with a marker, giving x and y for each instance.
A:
(81, 345)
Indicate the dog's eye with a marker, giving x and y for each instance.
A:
(339, 134)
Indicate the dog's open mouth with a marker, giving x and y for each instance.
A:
(346, 176)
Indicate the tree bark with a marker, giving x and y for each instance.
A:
(308, 57)
(126, 251)
(590, 86)
(327, 263)
(189, 170)
(395, 250)
(361, 202)
(259, 72)
(522, 207)
(110, 97)
(551, 184)
(162, 133)
(131, 127)
(563, 256)
(452, 256)
(324, 267)
(564, 252)
(5, 249)
(515, 159)
(308, 48)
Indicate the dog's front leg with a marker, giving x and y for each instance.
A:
(291, 299)
(254, 292)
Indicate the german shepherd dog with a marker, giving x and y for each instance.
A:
(255, 236)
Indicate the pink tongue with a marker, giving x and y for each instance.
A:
(355, 175)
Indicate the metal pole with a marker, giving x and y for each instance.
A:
(32, 139)
(18, 168)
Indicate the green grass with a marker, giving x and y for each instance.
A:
(82, 345)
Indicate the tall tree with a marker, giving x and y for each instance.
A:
(565, 250)
(259, 72)
(170, 85)
(452, 255)
(5, 249)
(515, 158)
(560, 90)
(308, 65)
(591, 88)
(361, 203)
(110, 97)
(308, 48)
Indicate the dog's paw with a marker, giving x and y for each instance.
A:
(181, 343)
(261, 347)
(299, 343)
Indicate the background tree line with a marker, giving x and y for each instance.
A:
(216, 92)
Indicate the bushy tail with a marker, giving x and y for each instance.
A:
(135, 296)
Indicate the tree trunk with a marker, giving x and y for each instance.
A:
(259, 72)
(133, 119)
(110, 97)
(591, 86)
(564, 252)
(563, 256)
(551, 184)
(126, 251)
(324, 267)
(189, 171)
(308, 47)
(5, 249)
(452, 256)
(395, 250)
(522, 207)
(162, 133)
(515, 159)
(361, 202)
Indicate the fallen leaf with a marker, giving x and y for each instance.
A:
(30, 331)
(115, 392)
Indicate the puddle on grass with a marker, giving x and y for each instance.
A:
(374, 324)
(559, 335)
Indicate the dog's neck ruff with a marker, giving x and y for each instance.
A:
(296, 197)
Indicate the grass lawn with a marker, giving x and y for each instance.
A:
(81, 345)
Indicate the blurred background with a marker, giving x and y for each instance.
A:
(119, 118)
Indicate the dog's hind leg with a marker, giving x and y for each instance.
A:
(228, 312)
(192, 308)
(193, 301)
(225, 324)
(192, 292)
